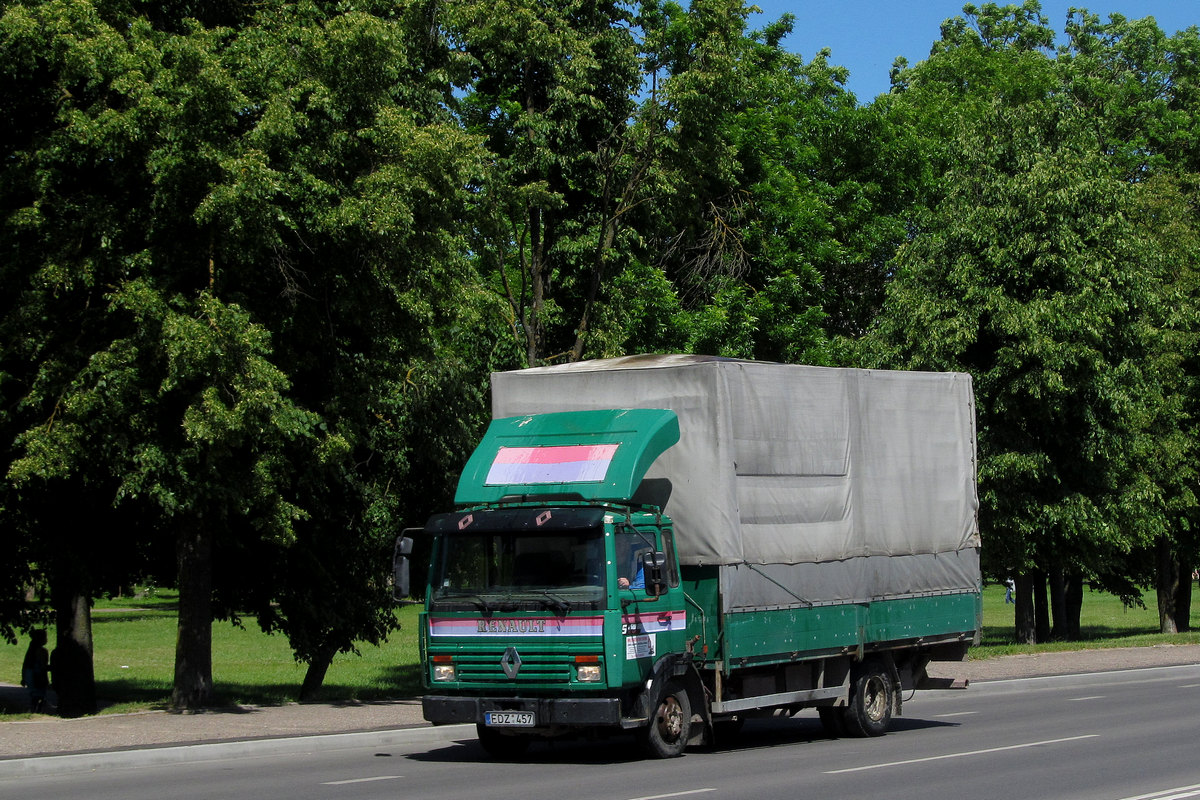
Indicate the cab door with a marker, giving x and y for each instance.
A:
(651, 626)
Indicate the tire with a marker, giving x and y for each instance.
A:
(872, 696)
(502, 745)
(833, 720)
(670, 725)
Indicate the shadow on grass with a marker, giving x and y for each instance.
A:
(1004, 635)
(151, 694)
(402, 682)
(14, 700)
(102, 616)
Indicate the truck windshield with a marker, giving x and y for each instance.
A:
(520, 571)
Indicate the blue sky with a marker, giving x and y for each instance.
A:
(867, 35)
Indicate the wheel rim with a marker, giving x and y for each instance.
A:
(670, 720)
(875, 698)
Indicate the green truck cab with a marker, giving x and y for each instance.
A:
(563, 599)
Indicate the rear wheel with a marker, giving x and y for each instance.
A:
(670, 726)
(502, 745)
(872, 695)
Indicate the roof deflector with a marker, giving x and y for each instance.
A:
(596, 455)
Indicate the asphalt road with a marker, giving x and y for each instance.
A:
(1129, 735)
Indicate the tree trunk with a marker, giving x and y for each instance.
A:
(537, 248)
(1183, 598)
(1074, 603)
(537, 285)
(1066, 604)
(1025, 629)
(315, 675)
(71, 667)
(1167, 580)
(1058, 603)
(193, 644)
(598, 263)
(1041, 607)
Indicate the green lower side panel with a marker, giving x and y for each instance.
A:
(762, 636)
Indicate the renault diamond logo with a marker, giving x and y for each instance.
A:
(511, 662)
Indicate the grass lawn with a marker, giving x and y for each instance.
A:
(134, 643)
(1104, 622)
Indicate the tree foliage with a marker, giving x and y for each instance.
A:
(232, 254)
(1038, 264)
(260, 258)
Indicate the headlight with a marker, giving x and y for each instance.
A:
(588, 673)
(443, 672)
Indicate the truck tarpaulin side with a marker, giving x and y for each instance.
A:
(805, 485)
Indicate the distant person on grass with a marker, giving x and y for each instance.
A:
(35, 671)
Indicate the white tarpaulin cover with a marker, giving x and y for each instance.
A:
(782, 464)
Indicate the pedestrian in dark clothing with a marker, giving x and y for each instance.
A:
(35, 671)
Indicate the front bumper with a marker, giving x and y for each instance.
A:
(550, 711)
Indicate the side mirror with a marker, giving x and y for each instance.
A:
(401, 587)
(653, 569)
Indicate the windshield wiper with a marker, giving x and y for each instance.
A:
(475, 599)
(481, 604)
(559, 604)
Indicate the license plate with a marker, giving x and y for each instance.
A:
(509, 719)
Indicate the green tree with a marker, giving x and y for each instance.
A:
(1140, 91)
(778, 201)
(1055, 313)
(385, 334)
(551, 90)
(1033, 269)
(1138, 87)
(252, 232)
(58, 229)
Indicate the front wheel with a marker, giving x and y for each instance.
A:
(670, 726)
(872, 695)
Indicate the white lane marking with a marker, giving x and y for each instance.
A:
(363, 780)
(675, 794)
(1190, 686)
(957, 714)
(963, 755)
(1170, 794)
(1089, 697)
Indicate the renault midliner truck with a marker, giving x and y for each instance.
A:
(666, 545)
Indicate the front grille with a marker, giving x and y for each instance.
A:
(535, 667)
